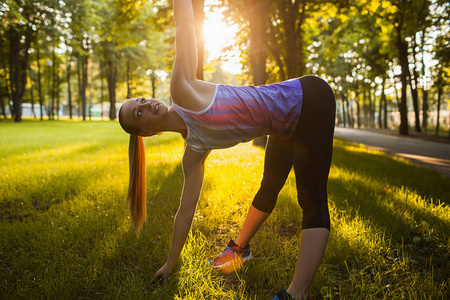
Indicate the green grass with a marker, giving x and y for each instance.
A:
(65, 231)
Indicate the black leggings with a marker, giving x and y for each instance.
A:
(309, 151)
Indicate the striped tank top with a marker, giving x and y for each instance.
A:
(239, 114)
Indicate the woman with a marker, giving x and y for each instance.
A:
(298, 115)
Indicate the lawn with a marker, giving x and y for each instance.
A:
(65, 231)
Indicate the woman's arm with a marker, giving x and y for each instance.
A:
(193, 169)
(185, 65)
(185, 89)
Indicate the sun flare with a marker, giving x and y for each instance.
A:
(218, 35)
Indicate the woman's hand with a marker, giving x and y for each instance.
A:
(163, 274)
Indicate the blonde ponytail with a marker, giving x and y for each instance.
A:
(136, 197)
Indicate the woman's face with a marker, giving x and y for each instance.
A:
(144, 114)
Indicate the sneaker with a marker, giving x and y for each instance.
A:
(231, 258)
(282, 295)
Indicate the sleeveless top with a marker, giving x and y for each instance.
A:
(239, 114)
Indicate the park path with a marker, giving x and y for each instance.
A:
(430, 154)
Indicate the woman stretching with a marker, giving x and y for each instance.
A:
(298, 115)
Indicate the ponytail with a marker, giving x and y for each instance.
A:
(136, 197)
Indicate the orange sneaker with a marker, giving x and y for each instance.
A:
(232, 258)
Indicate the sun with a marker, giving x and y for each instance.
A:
(219, 35)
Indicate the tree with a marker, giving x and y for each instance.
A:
(19, 33)
(252, 16)
(84, 20)
(257, 14)
(128, 42)
(442, 55)
(405, 24)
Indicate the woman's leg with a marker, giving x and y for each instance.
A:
(255, 218)
(313, 146)
(277, 165)
(312, 247)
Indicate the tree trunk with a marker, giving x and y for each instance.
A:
(300, 34)
(414, 93)
(397, 97)
(381, 122)
(344, 114)
(358, 110)
(69, 91)
(371, 110)
(438, 109)
(79, 84)
(402, 49)
(6, 87)
(31, 93)
(57, 92)
(111, 77)
(380, 108)
(365, 109)
(258, 15)
(153, 82)
(129, 94)
(53, 80)
(101, 87)
(424, 87)
(289, 14)
(49, 91)
(18, 59)
(91, 91)
(349, 112)
(385, 112)
(3, 66)
(425, 110)
(199, 16)
(276, 53)
(2, 103)
(39, 75)
(82, 82)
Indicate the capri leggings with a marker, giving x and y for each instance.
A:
(309, 151)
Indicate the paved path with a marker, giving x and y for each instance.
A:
(430, 154)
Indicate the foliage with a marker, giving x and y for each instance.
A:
(65, 230)
(95, 33)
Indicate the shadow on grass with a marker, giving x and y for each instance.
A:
(383, 168)
(88, 251)
(397, 214)
(400, 219)
(54, 189)
(385, 245)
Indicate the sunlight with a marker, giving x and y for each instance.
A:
(219, 35)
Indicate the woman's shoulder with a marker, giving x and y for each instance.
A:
(194, 96)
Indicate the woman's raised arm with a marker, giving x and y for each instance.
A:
(185, 65)
(185, 89)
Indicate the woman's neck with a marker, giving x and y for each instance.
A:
(175, 123)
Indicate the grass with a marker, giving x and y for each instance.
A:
(65, 231)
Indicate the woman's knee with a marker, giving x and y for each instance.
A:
(315, 214)
(266, 199)
(314, 203)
